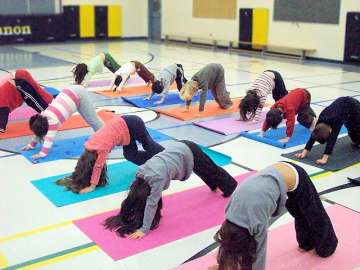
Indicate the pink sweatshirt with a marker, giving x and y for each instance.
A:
(114, 132)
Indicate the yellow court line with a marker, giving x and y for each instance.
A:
(47, 228)
(34, 231)
(3, 261)
(60, 258)
(321, 175)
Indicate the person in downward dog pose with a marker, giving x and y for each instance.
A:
(269, 82)
(167, 76)
(343, 111)
(141, 210)
(209, 77)
(17, 88)
(83, 72)
(128, 69)
(265, 195)
(46, 124)
(127, 130)
(297, 102)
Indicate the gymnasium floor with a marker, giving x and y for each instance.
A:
(36, 234)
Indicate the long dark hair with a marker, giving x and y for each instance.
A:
(249, 104)
(80, 71)
(237, 249)
(131, 215)
(81, 176)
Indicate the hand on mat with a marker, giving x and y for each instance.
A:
(2, 130)
(27, 147)
(199, 113)
(137, 235)
(214, 267)
(284, 140)
(261, 134)
(323, 160)
(87, 189)
(38, 155)
(302, 154)
(160, 101)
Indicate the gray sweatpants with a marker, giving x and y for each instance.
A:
(86, 108)
(221, 95)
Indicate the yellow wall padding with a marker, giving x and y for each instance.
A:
(114, 21)
(87, 21)
(215, 9)
(260, 26)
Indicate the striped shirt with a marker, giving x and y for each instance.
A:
(60, 109)
(263, 86)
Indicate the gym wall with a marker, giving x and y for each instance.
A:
(327, 39)
(134, 14)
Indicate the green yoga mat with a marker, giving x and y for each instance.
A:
(344, 155)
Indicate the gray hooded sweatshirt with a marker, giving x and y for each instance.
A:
(176, 162)
(252, 205)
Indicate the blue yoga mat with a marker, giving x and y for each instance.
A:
(171, 99)
(52, 91)
(69, 148)
(300, 136)
(120, 177)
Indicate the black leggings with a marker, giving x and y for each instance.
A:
(306, 115)
(312, 224)
(180, 77)
(4, 117)
(138, 132)
(213, 175)
(279, 89)
(31, 97)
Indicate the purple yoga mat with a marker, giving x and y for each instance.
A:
(228, 126)
(21, 113)
(184, 213)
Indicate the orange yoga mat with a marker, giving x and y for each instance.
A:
(130, 91)
(211, 109)
(19, 129)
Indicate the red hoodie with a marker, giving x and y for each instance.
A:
(9, 95)
(291, 105)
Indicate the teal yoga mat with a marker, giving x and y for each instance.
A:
(120, 177)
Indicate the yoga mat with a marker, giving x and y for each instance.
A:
(231, 125)
(171, 99)
(283, 253)
(344, 155)
(120, 177)
(272, 136)
(129, 91)
(184, 213)
(211, 109)
(21, 113)
(52, 91)
(74, 147)
(76, 121)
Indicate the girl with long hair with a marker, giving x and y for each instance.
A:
(126, 130)
(140, 211)
(242, 237)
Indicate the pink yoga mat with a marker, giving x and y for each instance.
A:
(21, 113)
(231, 125)
(283, 252)
(184, 213)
